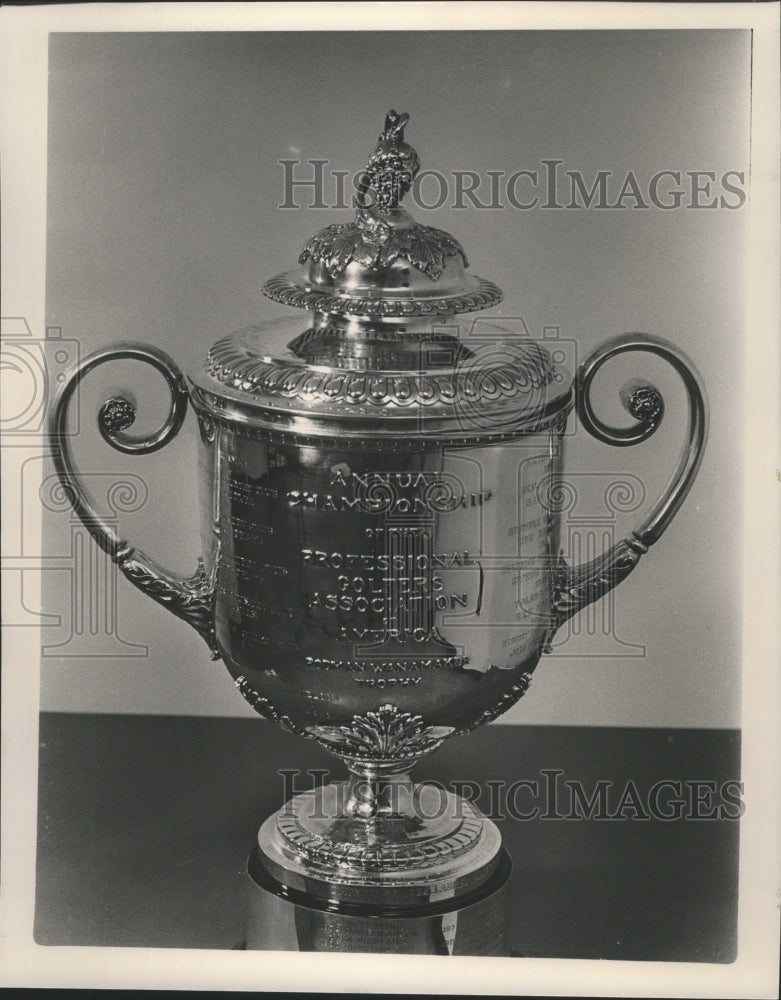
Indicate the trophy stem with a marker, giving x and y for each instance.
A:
(376, 791)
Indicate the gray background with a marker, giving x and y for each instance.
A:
(163, 221)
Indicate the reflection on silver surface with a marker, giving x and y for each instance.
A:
(279, 919)
(381, 564)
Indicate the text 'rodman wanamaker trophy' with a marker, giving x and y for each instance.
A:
(381, 568)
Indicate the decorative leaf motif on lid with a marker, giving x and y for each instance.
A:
(378, 245)
(382, 233)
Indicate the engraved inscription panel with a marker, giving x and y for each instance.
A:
(345, 580)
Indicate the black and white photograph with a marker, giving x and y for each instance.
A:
(390, 441)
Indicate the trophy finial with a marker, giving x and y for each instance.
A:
(392, 166)
(394, 126)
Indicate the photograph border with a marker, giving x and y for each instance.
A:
(24, 37)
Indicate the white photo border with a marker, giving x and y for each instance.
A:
(24, 39)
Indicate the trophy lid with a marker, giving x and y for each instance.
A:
(384, 263)
(382, 351)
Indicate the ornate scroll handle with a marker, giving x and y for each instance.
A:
(576, 587)
(190, 598)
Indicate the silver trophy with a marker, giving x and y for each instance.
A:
(381, 568)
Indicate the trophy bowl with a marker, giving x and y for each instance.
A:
(381, 568)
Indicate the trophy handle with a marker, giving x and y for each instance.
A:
(190, 598)
(576, 587)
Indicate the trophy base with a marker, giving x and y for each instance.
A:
(421, 872)
(283, 919)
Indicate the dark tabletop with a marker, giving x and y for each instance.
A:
(145, 824)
